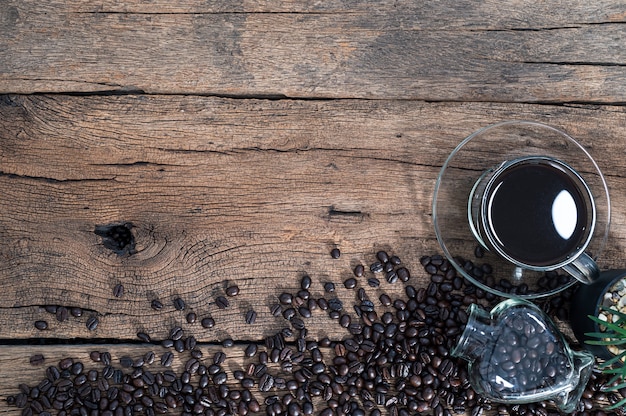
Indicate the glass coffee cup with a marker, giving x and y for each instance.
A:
(537, 213)
(485, 225)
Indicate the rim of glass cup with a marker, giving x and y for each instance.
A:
(438, 182)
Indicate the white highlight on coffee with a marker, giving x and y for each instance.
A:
(564, 214)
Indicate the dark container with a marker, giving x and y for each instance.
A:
(586, 301)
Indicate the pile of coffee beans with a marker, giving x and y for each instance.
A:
(395, 358)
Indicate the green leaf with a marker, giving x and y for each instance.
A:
(604, 342)
(618, 404)
(613, 311)
(618, 331)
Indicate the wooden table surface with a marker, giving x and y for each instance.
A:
(239, 141)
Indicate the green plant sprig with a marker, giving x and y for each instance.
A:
(614, 334)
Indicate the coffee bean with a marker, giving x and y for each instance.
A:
(232, 290)
(373, 282)
(118, 290)
(222, 302)
(329, 287)
(176, 333)
(350, 283)
(335, 304)
(305, 282)
(37, 359)
(251, 350)
(62, 313)
(250, 317)
(167, 358)
(266, 382)
(335, 253)
(376, 267)
(92, 323)
(179, 304)
(41, 325)
(207, 322)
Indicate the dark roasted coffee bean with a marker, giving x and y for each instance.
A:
(118, 290)
(373, 282)
(376, 267)
(37, 359)
(285, 298)
(251, 350)
(62, 314)
(403, 274)
(232, 290)
(305, 282)
(207, 322)
(166, 359)
(289, 313)
(350, 283)
(228, 343)
(41, 325)
(191, 317)
(329, 287)
(297, 323)
(250, 317)
(385, 300)
(335, 253)
(76, 312)
(391, 277)
(92, 323)
(266, 382)
(359, 270)
(222, 302)
(126, 361)
(156, 305)
(143, 337)
(179, 304)
(304, 312)
(335, 304)
(51, 309)
(176, 333)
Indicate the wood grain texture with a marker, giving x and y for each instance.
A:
(467, 51)
(254, 192)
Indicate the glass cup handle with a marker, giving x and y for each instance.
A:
(584, 269)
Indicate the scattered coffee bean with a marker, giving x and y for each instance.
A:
(179, 304)
(143, 337)
(329, 287)
(232, 290)
(62, 313)
(222, 302)
(305, 282)
(358, 270)
(92, 323)
(350, 283)
(37, 359)
(250, 317)
(376, 267)
(335, 253)
(191, 317)
(41, 325)
(118, 290)
(207, 322)
(156, 305)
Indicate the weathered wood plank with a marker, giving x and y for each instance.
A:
(464, 51)
(254, 192)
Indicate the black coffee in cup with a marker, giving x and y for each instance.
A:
(537, 212)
